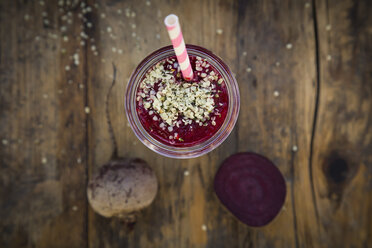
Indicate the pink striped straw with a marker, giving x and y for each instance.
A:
(175, 34)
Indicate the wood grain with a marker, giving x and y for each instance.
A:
(304, 73)
(278, 89)
(267, 124)
(342, 158)
(184, 204)
(42, 184)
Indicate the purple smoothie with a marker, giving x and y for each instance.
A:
(182, 113)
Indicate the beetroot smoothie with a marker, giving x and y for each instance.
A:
(182, 113)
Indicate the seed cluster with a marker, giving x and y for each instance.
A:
(177, 101)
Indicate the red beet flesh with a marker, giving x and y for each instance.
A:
(251, 187)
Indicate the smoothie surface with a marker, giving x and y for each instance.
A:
(182, 113)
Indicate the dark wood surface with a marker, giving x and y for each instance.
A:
(304, 70)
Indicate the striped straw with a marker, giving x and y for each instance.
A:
(175, 34)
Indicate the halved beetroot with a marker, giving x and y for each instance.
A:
(251, 187)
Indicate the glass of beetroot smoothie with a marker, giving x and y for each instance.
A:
(178, 118)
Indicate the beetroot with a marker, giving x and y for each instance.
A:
(122, 187)
(251, 187)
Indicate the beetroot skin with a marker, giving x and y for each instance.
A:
(251, 187)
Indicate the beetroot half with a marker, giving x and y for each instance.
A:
(251, 187)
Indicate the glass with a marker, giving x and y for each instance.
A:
(182, 152)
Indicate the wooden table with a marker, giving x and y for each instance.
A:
(304, 70)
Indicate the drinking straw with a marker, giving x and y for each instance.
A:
(175, 34)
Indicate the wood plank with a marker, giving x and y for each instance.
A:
(342, 159)
(42, 168)
(184, 204)
(277, 78)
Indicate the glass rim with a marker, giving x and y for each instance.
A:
(191, 151)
